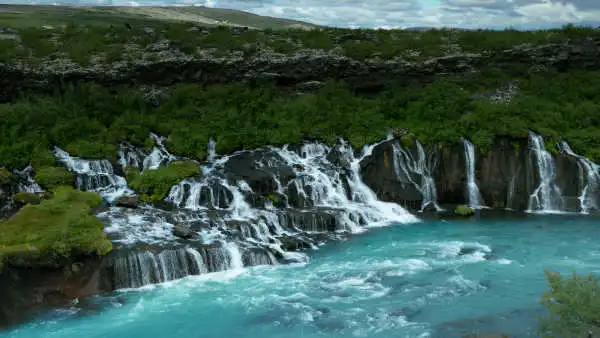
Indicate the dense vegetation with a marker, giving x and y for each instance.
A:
(574, 306)
(153, 185)
(54, 231)
(90, 121)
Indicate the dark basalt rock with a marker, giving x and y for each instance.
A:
(259, 168)
(183, 232)
(129, 201)
(303, 66)
(379, 174)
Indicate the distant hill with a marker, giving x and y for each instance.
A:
(39, 15)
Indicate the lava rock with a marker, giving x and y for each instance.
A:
(183, 232)
(128, 201)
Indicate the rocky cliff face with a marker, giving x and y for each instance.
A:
(507, 176)
(170, 66)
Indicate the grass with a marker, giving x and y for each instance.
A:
(54, 232)
(153, 185)
(51, 178)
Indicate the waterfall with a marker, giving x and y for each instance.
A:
(589, 176)
(94, 175)
(417, 173)
(158, 156)
(136, 269)
(27, 183)
(475, 199)
(547, 197)
(230, 209)
(212, 149)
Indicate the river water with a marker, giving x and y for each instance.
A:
(438, 278)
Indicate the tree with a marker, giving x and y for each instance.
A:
(574, 306)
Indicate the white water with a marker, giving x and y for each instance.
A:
(589, 176)
(27, 183)
(547, 197)
(94, 175)
(417, 173)
(212, 149)
(240, 227)
(475, 199)
(159, 155)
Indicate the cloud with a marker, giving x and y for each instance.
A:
(524, 14)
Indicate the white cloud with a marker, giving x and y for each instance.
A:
(404, 13)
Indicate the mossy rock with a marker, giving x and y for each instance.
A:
(55, 231)
(275, 198)
(463, 210)
(153, 185)
(30, 198)
(52, 177)
(4, 176)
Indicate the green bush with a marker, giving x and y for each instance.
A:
(573, 305)
(29, 198)
(54, 232)
(52, 177)
(463, 210)
(153, 185)
(4, 176)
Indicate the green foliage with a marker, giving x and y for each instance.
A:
(52, 233)
(51, 178)
(463, 210)
(29, 198)
(573, 304)
(90, 120)
(274, 198)
(4, 176)
(153, 185)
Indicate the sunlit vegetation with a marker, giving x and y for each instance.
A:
(54, 231)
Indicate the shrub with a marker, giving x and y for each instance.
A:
(52, 177)
(29, 198)
(54, 232)
(4, 176)
(463, 210)
(153, 185)
(573, 304)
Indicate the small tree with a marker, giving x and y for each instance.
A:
(574, 307)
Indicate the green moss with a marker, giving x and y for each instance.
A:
(516, 145)
(274, 198)
(90, 149)
(52, 233)
(52, 177)
(29, 198)
(4, 176)
(153, 185)
(573, 306)
(463, 210)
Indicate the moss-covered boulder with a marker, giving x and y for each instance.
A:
(4, 176)
(464, 210)
(30, 198)
(55, 231)
(153, 185)
(52, 177)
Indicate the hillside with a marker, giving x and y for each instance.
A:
(81, 85)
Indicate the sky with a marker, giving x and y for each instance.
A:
(494, 14)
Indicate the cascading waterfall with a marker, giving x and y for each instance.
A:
(159, 155)
(547, 197)
(234, 225)
(417, 173)
(475, 199)
(94, 175)
(589, 176)
(27, 183)
(211, 149)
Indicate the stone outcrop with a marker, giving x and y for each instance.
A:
(304, 68)
(506, 175)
